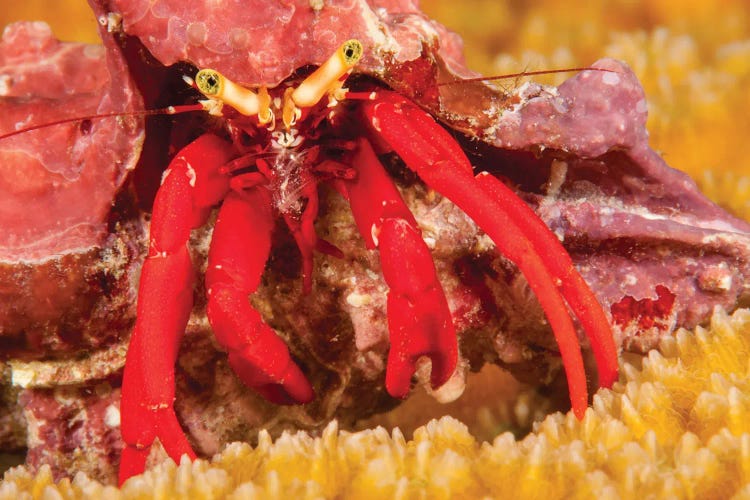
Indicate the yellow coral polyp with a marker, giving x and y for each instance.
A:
(678, 427)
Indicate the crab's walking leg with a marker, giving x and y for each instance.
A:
(419, 320)
(165, 298)
(240, 247)
(440, 162)
(148, 383)
(193, 183)
(577, 293)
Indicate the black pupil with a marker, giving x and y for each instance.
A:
(212, 81)
(349, 52)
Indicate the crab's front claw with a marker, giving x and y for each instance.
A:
(165, 299)
(256, 354)
(441, 163)
(419, 320)
(241, 245)
(287, 386)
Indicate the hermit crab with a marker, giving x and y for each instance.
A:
(283, 142)
(280, 137)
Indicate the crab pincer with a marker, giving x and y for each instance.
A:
(419, 320)
(518, 233)
(190, 187)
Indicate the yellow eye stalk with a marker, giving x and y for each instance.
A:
(328, 79)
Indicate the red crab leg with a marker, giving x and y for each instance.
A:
(240, 246)
(165, 298)
(192, 184)
(419, 320)
(577, 293)
(439, 161)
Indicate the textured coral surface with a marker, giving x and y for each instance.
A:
(676, 427)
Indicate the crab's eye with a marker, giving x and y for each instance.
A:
(352, 51)
(209, 82)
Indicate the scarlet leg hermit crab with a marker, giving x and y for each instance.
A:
(279, 144)
(289, 144)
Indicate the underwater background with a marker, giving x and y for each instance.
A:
(679, 422)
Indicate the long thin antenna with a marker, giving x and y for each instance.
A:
(521, 74)
(170, 110)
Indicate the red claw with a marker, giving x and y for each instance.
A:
(517, 232)
(240, 247)
(241, 243)
(419, 320)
